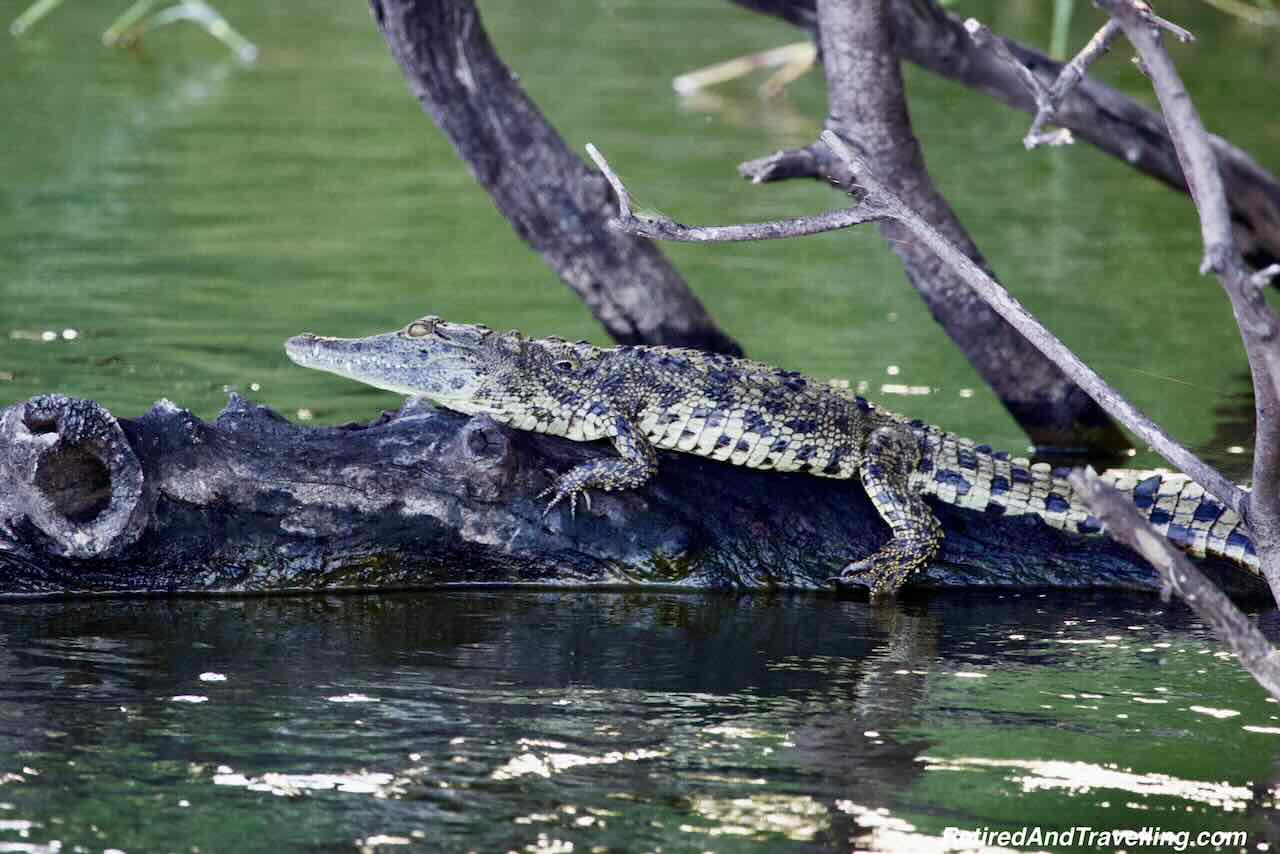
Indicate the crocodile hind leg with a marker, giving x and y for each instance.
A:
(637, 462)
(892, 454)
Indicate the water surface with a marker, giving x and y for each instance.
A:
(645, 722)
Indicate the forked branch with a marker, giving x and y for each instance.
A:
(1048, 98)
(657, 227)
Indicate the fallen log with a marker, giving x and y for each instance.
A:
(251, 503)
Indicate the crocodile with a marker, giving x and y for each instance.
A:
(747, 413)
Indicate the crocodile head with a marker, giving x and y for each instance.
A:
(466, 367)
(445, 362)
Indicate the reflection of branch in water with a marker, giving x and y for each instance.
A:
(139, 18)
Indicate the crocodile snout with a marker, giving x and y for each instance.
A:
(301, 346)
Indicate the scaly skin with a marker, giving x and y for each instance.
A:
(750, 414)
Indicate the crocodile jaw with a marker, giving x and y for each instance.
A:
(447, 374)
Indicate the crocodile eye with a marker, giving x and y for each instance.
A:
(566, 365)
(421, 328)
(512, 343)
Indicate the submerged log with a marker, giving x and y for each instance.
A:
(422, 497)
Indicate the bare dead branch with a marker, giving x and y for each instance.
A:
(1259, 325)
(1229, 623)
(1074, 71)
(1047, 98)
(664, 228)
(1148, 16)
(1263, 277)
(166, 503)
(867, 102)
(1045, 106)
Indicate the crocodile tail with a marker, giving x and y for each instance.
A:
(1193, 520)
(958, 471)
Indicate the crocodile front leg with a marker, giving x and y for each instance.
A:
(637, 462)
(892, 453)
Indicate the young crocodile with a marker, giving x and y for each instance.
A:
(750, 414)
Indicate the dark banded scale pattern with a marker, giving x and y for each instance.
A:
(749, 414)
(973, 476)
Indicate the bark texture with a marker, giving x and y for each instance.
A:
(552, 200)
(167, 503)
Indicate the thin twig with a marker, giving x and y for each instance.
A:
(1121, 519)
(1045, 341)
(1048, 98)
(1263, 277)
(1149, 17)
(664, 228)
(983, 37)
(619, 189)
(1073, 72)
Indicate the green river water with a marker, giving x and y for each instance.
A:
(171, 216)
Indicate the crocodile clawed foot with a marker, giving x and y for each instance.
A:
(886, 570)
(564, 491)
(882, 574)
(860, 576)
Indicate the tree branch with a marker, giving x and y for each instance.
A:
(812, 161)
(664, 228)
(553, 201)
(1048, 98)
(1181, 576)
